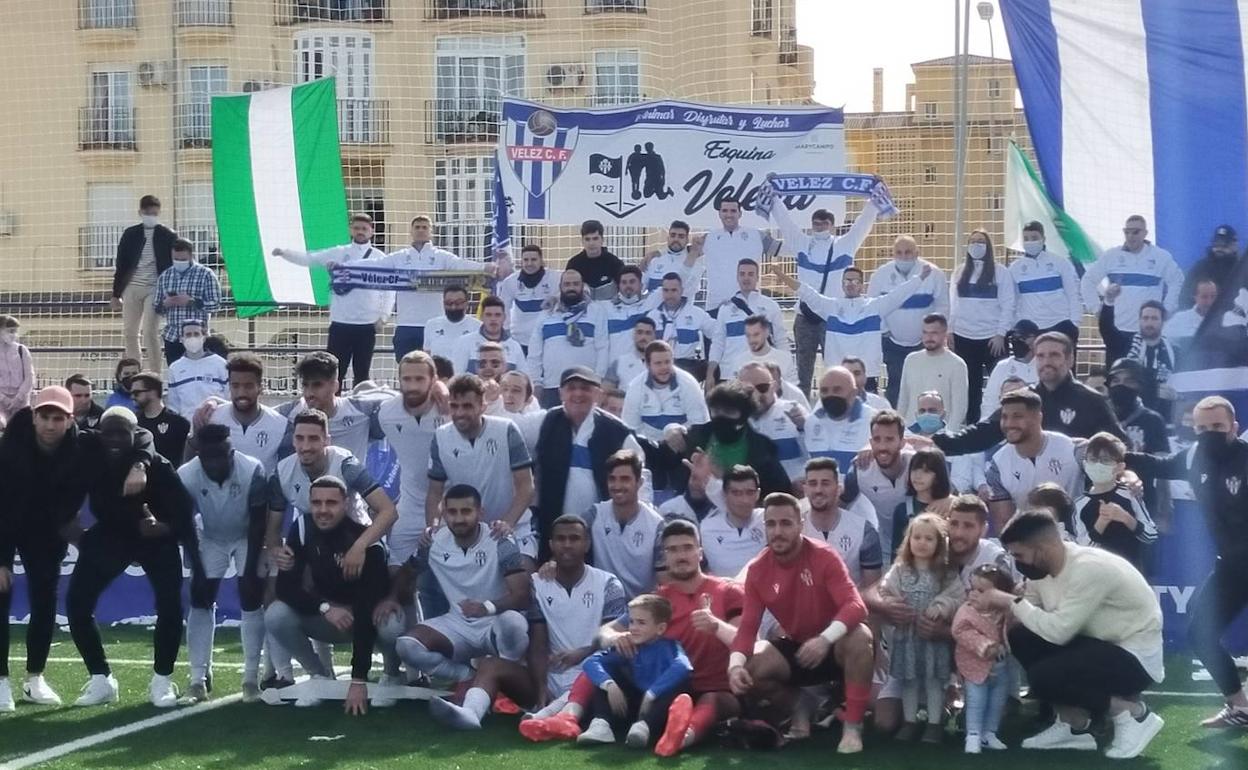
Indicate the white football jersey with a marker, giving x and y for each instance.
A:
(261, 439)
(631, 550)
(475, 572)
(224, 510)
(727, 547)
(1011, 476)
(410, 437)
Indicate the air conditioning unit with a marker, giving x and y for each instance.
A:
(565, 76)
(153, 73)
(252, 86)
(8, 223)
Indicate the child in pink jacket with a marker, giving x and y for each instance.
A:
(980, 651)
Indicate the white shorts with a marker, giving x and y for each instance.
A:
(469, 638)
(525, 537)
(560, 682)
(217, 556)
(404, 537)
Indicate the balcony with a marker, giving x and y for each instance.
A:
(788, 46)
(499, 9)
(97, 246)
(303, 11)
(204, 13)
(106, 128)
(615, 6)
(204, 239)
(106, 14)
(458, 121)
(364, 121)
(194, 125)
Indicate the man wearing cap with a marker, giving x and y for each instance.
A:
(1217, 266)
(1019, 365)
(576, 438)
(43, 455)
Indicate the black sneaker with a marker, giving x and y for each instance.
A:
(753, 734)
(275, 683)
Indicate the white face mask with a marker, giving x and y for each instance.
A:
(826, 235)
(904, 266)
(8, 336)
(1100, 473)
(977, 250)
(1033, 248)
(150, 220)
(193, 345)
(181, 265)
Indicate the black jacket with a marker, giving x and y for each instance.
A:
(1071, 408)
(761, 455)
(600, 273)
(130, 247)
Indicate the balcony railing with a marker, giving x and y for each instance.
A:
(106, 128)
(106, 14)
(204, 13)
(364, 121)
(204, 239)
(460, 9)
(788, 46)
(194, 125)
(97, 246)
(615, 6)
(455, 120)
(300, 11)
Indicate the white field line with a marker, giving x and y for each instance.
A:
(136, 662)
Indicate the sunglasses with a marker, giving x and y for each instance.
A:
(137, 391)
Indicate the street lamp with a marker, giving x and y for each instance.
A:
(986, 11)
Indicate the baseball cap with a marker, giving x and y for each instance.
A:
(582, 373)
(56, 397)
(1224, 233)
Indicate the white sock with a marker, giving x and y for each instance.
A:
(279, 657)
(252, 631)
(200, 631)
(325, 651)
(477, 701)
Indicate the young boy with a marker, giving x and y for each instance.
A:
(641, 688)
(1113, 517)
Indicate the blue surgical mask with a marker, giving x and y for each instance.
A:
(977, 250)
(1033, 248)
(930, 422)
(904, 266)
(181, 265)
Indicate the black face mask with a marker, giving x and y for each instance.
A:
(1210, 442)
(726, 429)
(1030, 571)
(455, 316)
(1019, 347)
(1122, 397)
(835, 406)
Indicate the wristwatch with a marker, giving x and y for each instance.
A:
(324, 608)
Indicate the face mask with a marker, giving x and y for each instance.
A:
(1033, 248)
(1019, 347)
(904, 266)
(726, 429)
(1030, 571)
(181, 265)
(1100, 473)
(1210, 442)
(150, 220)
(824, 236)
(1122, 397)
(570, 298)
(8, 336)
(455, 316)
(977, 250)
(835, 406)
(929, 422)
(194, 345)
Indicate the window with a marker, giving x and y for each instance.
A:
(607, 6)
(464, 204)
(332, 10)
(107, 122)
(349, 57)
(202, 81)
(617, 77)
(929, 228)
(363, 197)
(762, 17)
(106, 14)
(994, 89)
(455, 9)
(994, 144)
(995, 202)
(197, 221)
(110, 209)
(473, 73)
(929, 175)
(929, 110)
(203, 13)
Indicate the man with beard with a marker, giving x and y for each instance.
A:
(572, 333)
(145, 529)
(352, 419)
(777, 418)
(525, 293)
(1145, 429)
(46, 460)
(666, 395)
(683, 325)
(626, 530)
(624, 310)
(1217, 470)
(851, 535)
(903, 324)
(759, 349)
(465, 352)
(169, 429)
(681, 257)
(730, 341)
(934, 367)
(629, 365)
(255, 429)
(443, 332)
(881, 473)
(1217, 266)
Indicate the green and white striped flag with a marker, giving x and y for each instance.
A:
(1026, 200)
(277, 180)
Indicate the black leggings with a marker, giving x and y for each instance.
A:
(1084, 672)
(102, 557)
(655, 716)
(352, 345)
(979, 360)
(41, 559)
(1220, 600)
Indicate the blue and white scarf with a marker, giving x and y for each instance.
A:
(361, 275)
(856, 185)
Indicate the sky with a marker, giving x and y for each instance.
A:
(852, 37)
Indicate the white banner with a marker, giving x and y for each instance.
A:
(648, 164)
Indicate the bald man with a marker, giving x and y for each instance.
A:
(905, 324)
(841, 423)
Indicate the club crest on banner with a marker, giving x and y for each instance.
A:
(539, 150)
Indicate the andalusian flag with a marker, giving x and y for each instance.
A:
(1026, 200)
(277, 179)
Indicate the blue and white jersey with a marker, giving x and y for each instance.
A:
(1011, 476)
(904, 324)
(415, 308)
(525, 303)
(290, 484)
(854, 325)
(683, 328)
(776, 425)
(1047, 290)
(192, 381)
(477, 572)
(983, 312)
(565, 338)
(854, 537)
(1149, 275)
(630, 550)
(670, 261)
(728, 339)
(1005, 369)
(625, 369)
(464, 352)
(352, 426)
(822, 259)
(840, 439)
(621, 318)
(721, 253)
(649, 407)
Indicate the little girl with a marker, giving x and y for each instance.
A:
(923, 578)
(927, 489)
(980, 652)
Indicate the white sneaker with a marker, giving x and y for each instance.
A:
(37, 690)
(163, 692)
(991, 741)
(382, 702)
(99, 689)
(1132, 736)
(1059, 736)
(598, 732)
(309, 700)
(638, 735)
(6, 696)
(974, 744)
